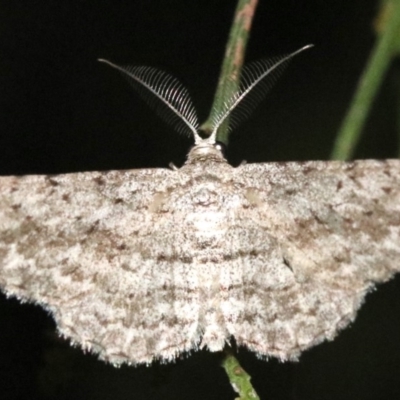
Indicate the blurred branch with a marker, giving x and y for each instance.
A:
(383, 52)
(232, 65)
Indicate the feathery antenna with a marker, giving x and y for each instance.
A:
(175, 105)
(256, 80)
(172, 101)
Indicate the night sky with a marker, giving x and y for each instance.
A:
(62, 111)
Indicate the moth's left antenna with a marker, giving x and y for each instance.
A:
(165, 94)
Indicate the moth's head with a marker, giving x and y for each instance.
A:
(172, 101)
(206, 151)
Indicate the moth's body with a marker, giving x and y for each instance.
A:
(146, 264)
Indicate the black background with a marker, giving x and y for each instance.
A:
(62, 111)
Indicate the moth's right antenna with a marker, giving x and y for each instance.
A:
(257, 78)
(165, 94)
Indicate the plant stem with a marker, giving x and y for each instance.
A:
(232, 65)
(397, 88)
(381, 56)
(239, 378)
(228, 84)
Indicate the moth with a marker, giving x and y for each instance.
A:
(148, 264)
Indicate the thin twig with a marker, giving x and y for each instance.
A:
(232, 64)
(239, 378)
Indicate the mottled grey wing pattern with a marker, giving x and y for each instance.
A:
(335, 230)
(70, 242)
(147, 264)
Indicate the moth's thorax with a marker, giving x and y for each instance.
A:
(205, 152)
